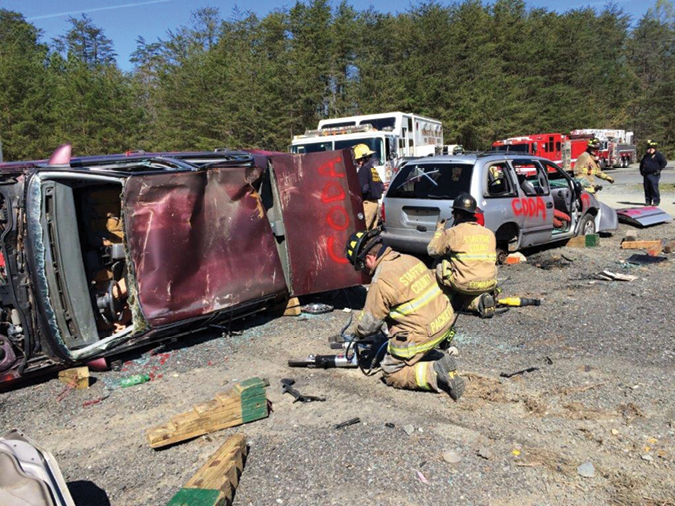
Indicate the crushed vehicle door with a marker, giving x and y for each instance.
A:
(199, 243)
(321, 207)
(534, 205)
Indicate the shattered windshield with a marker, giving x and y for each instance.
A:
(432, 181)
(312, 147)
(374, 143)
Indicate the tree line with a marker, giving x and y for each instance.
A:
(488, 71)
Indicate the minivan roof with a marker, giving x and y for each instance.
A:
(472, 157)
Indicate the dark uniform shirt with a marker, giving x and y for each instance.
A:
(652, 164)
(369, 180)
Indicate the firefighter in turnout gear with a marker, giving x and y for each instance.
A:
(404, 295)
(372, 186)
(468, 252)
(586, 167)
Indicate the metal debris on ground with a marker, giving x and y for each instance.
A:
(317, 308)
(517, 373)
(642, 216)
(287, 388)
(638, 259)
(352, 421)
(613, 276)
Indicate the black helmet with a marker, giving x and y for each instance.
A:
(359, 244)
(465, 202)
(593, 143)
(652, 144)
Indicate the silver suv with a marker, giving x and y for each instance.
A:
(517, 193)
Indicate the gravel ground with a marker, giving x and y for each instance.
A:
(604, 393)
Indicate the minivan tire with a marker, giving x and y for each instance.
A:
(587, 225)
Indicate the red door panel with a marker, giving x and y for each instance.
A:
(199, 243)
(321, 203)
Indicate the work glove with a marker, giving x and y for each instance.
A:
(441, 224)
(610, 179)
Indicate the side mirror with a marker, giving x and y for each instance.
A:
(535, 147)
(577, 187)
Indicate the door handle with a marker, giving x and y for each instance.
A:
(549, 205)
(421, 228)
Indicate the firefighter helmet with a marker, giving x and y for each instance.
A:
(651, 144)
(359, 244)
(593, 143)
(361, 151)
(465, 202)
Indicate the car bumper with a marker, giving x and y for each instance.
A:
(405, 243)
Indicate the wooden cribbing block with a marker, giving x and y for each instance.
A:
(641, 244)
(214, 484)
(577, 242)
(592, 240)
(244, 403)
(293, 307)
(77, 377)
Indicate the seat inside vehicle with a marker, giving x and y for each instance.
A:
(83, 232)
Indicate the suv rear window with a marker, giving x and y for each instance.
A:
(431, 181)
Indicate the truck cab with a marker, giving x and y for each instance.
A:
(390, 135)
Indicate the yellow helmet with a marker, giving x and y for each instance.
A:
(361, 151)
(359, 244)
(593, 143)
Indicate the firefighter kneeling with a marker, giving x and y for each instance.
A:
(468, 269)
(404, 295)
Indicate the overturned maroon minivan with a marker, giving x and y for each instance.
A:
(103, 254)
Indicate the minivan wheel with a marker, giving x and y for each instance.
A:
(502, 253)
(587, 226)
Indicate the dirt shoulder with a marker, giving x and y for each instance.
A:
(603, 393)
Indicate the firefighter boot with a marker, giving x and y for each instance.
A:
(447, 378)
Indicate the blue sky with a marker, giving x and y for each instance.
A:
(124, 20)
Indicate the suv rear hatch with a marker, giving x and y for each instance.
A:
(421, 194)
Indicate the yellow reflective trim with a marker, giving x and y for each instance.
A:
(416, 304)
(411, 351)
(491, 257)
(421, 375)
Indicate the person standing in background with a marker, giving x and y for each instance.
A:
(651, 166)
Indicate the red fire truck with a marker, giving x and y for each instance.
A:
(565, 149)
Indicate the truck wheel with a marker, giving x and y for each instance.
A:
(587, 225)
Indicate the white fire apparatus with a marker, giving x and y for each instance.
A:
(391, 135)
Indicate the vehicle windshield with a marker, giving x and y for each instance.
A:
(374, 143)
(514, 148)
(380, 123)
(431, 181)
(312, 147)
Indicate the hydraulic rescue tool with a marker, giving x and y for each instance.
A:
(364, 353)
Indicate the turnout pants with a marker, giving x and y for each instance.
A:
(416, 373)
(651, 184)
(371, 213)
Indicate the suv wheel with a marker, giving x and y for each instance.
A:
(587, 226)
